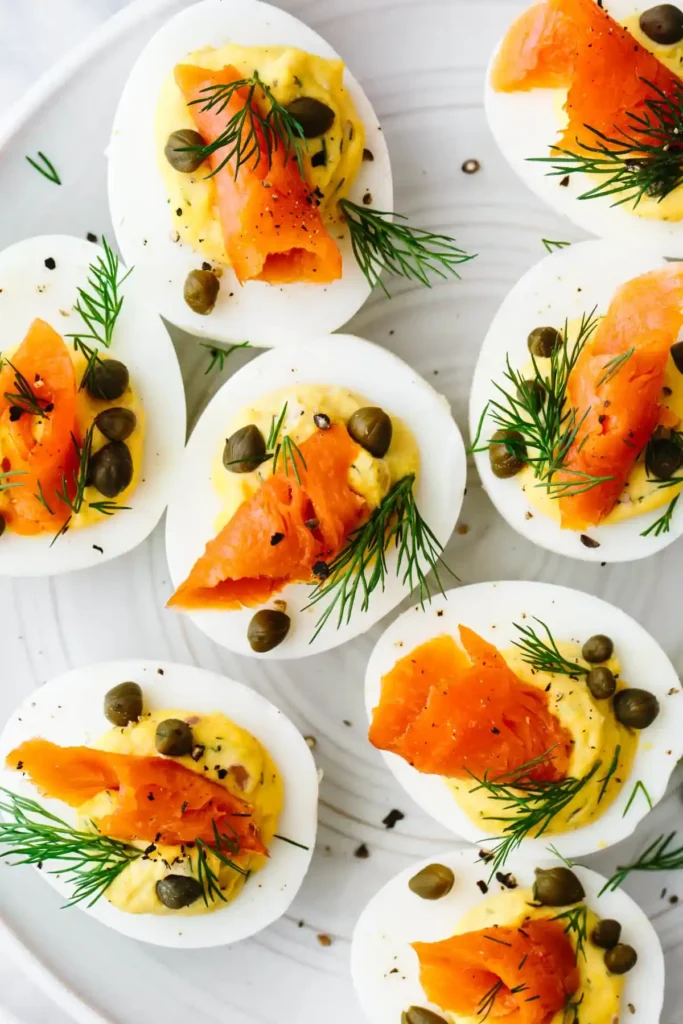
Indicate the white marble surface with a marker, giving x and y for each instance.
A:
(33, 35)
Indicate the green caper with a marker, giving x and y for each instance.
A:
(173, 738)
(597, 648)
(635, 708)
(601, 682)
(663, 455)
(507, 453)
(433, 882)
(178, 891)
(111, 469)
(117, 423)
(543, 341)
(177, 153)
(557, 887)
(420, 1015)
(372, 429)
(107, 380)
(314, 117)
(663, 24)
(533, 392)
(201, 291)
(606, 934)
(244, 450)
(123, 704)
(621, 959)
(2, 525)
(677, 355)
(267, 629)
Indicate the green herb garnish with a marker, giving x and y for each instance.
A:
(99, 308)
(6, 482)
(663, 524)
(25, 398)
(639, 787)
(222, 845)
(80, 474)
(613, 366)
(576, 923)
(552, 246)
(220, 355)
(659, 856)
(542, 655)
(45, 167)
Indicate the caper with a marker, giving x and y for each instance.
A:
(267, 629)
(314, 117)
(111, 469)
(244, 450)
(621, 959)
(372, 429)
(663, 455)
(123, 704)
(117, 423)
(557, 887)
(433, 882)
(177, 153)
(420, 1015)
(173, 738)
(635, 708)
(543, 341)
(606, 933)
(107, 380)
(178, 891)
(533, 392)
(601, 682)
(2, 525)
(201, 291)
(507, 453)
(677, 355)
(597, 648)
(663, 24)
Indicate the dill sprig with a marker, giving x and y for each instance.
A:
(42, 499)
(560, 856)
(551, 246)
(639, 787)
(606, 779)
(571, 1007)
(361, 566)
(381, 242)
(218, 356)
(91, 861)
(643, 159)
(80, 474)
(6, 483)
(613, 366)
(488, 1000)
(249, 135)
(99, 307)
(545, 656)
(576, 923)
(663, 524)
(25, 398)
(659, 856)
(45, 167)
(207, 877)
(284, 447)
(108, 508)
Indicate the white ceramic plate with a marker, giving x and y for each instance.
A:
(68, 711)
(342, 361)
(491, 609)
(423, 67)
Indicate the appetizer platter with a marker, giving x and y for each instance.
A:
(251, 177)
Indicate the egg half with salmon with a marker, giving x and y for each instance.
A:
(444, 943)
(584, 100)
(92, 408)
(576, 404)
(188, 800)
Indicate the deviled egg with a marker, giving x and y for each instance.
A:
(577, 404)
(250, 183)
(583, 98)
(516, 712)
(173, 808)
(443, 944)
(319, 487)
(92, 408)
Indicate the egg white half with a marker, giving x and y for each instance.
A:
(560, 287)
(490, 609)
(29, 290)
(340, 361)
(526, 124)
(385, 969)
(69, 710)
(267, 315)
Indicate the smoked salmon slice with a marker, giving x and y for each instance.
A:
(535, 966)
(39, 448)
(272, 228)
(578, 45)
(457, 714)
(616, 385)
(154, 799)
(267, 543)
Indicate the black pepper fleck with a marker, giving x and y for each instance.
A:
(392, 817)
